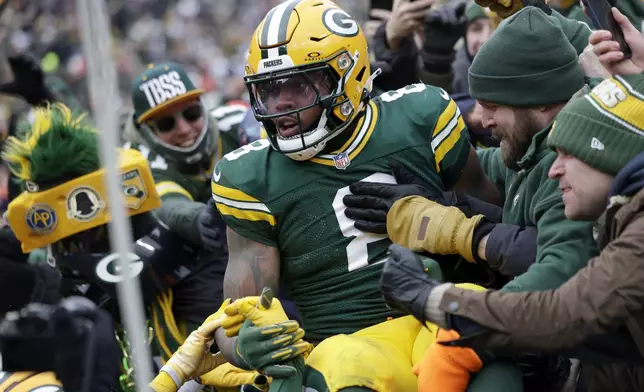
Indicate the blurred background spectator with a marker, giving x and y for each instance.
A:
(208, 38)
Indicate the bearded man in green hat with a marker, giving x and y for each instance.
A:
(596, 315)
(522, 77)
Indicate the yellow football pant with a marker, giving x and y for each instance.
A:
(380, 357)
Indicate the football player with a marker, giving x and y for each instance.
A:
(309, 81)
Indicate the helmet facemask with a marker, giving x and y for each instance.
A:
(309, 86)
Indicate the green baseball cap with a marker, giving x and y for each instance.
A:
(159, 87)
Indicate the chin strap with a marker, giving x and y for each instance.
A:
(368, 85)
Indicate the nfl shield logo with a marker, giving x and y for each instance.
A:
(341, 161)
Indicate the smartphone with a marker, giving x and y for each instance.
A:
(382, 4)
(599, 12)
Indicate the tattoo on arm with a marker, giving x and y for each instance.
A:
(251, 267)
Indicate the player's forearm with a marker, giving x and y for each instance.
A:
(251, 267)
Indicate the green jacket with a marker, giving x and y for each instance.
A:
(533, 199)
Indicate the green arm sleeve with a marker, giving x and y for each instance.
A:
(182, 217)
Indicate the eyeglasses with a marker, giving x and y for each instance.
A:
(168, 123)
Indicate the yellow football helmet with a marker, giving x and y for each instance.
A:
(308, 75)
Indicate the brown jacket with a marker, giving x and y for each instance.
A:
(598, 315)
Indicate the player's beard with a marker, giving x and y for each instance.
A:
(515, 142)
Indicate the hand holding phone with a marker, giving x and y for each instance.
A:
(406, 17)
(609, 52)
(601, 15)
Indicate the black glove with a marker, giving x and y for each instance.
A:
(543, 372)
(29, 81)
(212, 228)
(370, 202)
(404, 282)
(87, 353)
(10, 247)
(443, 28)
(471, 206)
(47, 286)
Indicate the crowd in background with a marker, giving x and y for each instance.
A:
(208, 38)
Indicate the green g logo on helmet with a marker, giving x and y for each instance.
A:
(153, 92)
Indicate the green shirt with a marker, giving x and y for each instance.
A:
(329, 268)
(532, 199)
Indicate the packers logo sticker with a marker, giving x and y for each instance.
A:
(84, 204)
(133, 189)
(41, 219)
(340, 23)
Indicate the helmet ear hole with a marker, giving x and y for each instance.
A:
(327, 102)
(361, 74)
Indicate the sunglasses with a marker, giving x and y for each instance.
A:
(168, 123)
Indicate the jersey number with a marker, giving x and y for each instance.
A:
(257, 145)
(357, 250)
(391, 96)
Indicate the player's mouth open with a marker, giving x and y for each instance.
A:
(287, 127)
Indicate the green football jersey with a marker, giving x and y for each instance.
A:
(170, 182)
(330, 269)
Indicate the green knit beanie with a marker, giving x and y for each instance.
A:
(474, 11)
(528, 61)
(605, 128)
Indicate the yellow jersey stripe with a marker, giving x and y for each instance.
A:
(446, 131)
(627, 112)
(353, 147)
(446, 146)
(445, 117)
(353, 137)
(244, 205)
(168, 187)
(372, 125)
(231, 193)
(249, 215)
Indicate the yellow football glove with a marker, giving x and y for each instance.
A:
(219, 313)
(423, 225)
(247, 308)
(228, 376)
(503, 8)
(506, 8)
(193, 358)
